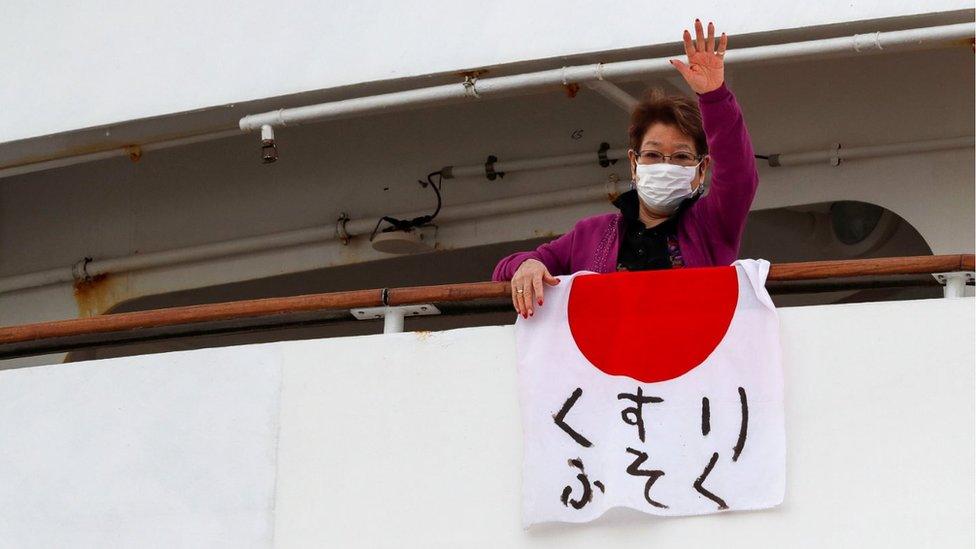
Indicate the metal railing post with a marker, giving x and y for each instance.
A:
(393, 315)
(393, 320)
(954, 283)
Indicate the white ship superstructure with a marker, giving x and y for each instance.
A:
(172, 155)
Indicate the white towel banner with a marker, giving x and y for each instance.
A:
(661, 391)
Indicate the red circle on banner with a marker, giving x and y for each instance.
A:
(652, 325)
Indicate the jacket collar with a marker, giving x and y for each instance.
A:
(629, 205)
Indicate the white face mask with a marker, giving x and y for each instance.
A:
(663, 186)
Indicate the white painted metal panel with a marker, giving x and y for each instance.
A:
(105, 62)
(167, 450)
(413, 440)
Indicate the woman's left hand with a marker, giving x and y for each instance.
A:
(705, 70)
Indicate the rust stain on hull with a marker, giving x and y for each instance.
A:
(97, 295)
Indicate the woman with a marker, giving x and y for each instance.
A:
(665, 221)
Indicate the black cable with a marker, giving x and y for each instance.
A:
(437, 190)
(407, 224)
(372, 235)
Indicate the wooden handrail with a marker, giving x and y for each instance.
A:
(176, 316)
(924, 264)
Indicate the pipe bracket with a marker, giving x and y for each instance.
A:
(605, 161)
(835, 156)
(870, 41)
(490, 172)
(341, 228)
(269, 150)
(80, 270)
(470, 86)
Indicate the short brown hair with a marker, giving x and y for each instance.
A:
(674, 110)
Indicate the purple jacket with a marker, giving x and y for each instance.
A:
(709, 231)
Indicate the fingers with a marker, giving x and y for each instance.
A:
(526, 298)
(723, 42)
(699, 36)
(527, 288)
(516, 299)
(519, 297)
(537, 288)
(689, 47)
(682, 68)
(710, 39)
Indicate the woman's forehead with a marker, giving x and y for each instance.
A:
(665, 135)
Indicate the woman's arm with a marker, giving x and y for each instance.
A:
(529, 277)
(733, 164)
(554, 255)
(734, 177)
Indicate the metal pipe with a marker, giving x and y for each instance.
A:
(113, 153)
(872, 151)
(921, 38)
(474, 88)
(775, 160)
(576, 159)
(299, 237)
(618, 96)
(455, 213)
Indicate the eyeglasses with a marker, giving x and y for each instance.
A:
(679, 158)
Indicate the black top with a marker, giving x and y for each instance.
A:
(643, 249)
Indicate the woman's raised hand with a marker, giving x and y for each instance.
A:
(705, 70)
(527, 285)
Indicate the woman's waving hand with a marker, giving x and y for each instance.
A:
(705, 70)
